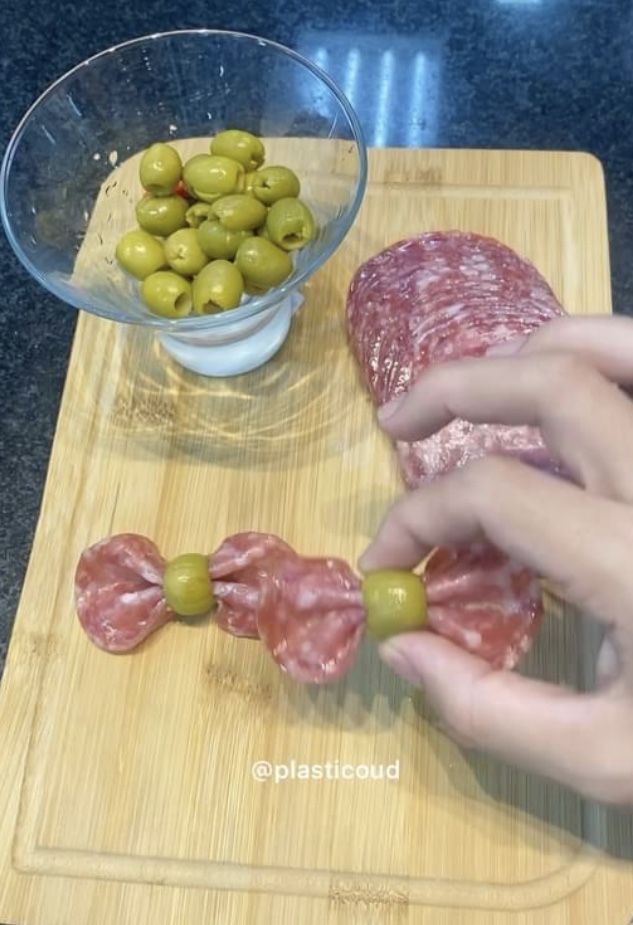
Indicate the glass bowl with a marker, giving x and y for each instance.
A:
(69, 177)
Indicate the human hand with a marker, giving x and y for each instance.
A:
(562, 378)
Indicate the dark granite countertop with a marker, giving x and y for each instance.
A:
(552, 74)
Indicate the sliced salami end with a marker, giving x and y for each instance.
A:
(438, 297)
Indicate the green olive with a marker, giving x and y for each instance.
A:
(395, 602)
(167, 294)
(263, 232)
(209, 176)
(217, 288)
(140, 254)
(290, 224)
(240, 212)
(240, 146)
(249, 289)
(160, 169)
(272, 183)
(161, 214)
(249, 179)
(187, 585)
(262, 263)
(184, 253)
(198, 213)
(218, 242)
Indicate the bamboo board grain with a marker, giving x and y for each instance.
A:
(126, 792)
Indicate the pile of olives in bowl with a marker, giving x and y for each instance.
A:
(215, 230)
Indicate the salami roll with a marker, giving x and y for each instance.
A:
(438, 297)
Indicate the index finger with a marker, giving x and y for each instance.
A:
(585, 420)
(605, 342)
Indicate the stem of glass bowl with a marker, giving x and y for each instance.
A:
(236, 348)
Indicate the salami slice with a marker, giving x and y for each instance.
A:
(439, 297)
(427, 300)
(307, 612)
(241, 570)
(484, 602)
(118, 592)
(311, 618)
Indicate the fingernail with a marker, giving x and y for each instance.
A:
(507, 348)
(395, 654)
(389, 408)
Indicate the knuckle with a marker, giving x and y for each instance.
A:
(482, 475)
(563, 374)
(458, 721)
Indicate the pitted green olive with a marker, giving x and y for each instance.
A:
(160, 169)
(240, 212)
(242, 147)
(140, 254)
(183, 252)
(198, 213)
(218, 242)
(217, 288)
(262, 264)
(209, 176)
(290, 224)
(161, 215)
(272, 183)
(167, 294)
(187, 585)
(395, 602)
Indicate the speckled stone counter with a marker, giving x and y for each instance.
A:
(488, 73)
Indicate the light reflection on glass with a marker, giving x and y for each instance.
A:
(320, 57)
(385, 79)
(351, 74)
(418, 87)
(393, 87)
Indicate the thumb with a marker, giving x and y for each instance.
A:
(541, 727)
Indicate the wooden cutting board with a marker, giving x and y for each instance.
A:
(126, 787)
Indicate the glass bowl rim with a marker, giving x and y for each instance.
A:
(256, 305)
